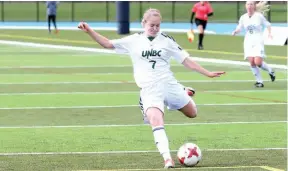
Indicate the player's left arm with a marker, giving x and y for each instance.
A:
(267, 24)
(183, 57)
(190, 64)
(210, 10)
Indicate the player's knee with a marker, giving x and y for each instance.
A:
(259, 64)
(192, 113)
(190, 110)
(155, 117)
(201, 31)
(252, 63)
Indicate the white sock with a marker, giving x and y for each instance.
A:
(162, 142)
(255, 70)
(265, 67)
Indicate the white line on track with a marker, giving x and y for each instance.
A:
(123, 82)
(139, 125)
(129, 152)
(123, 106)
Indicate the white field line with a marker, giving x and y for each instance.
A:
(123, 82)
(96, 66)
(122, 106)
(131, 152)
(219, 61)
(100, 28)
(95, 73)
(129, 92)
(65, 67)
(139, 125)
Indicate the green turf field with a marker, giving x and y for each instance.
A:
(74, 110)
(102, 11)
(216, 46)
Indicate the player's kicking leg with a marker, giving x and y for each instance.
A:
(178, 99)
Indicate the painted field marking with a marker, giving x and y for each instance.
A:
(130, 152)
(132, 82)
(122, 106)
(140, 125)
(129, 92)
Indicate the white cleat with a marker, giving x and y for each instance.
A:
(169, 164)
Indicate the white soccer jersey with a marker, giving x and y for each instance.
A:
(151, 59)
(253, 27)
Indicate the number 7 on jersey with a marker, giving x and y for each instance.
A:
(154, 62)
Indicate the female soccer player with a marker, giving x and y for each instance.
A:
(150, 52)
(253, 22)
(202, 10)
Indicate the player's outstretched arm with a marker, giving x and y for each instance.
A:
(239, 27)
(190, 64)
(103, 41)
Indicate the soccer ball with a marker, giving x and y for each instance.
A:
(189, 154)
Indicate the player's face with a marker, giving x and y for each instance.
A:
(250, 6)
(152, 26)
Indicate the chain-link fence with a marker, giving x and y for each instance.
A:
(102, 11)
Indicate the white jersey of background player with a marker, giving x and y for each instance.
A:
(157, 89)
(254, 22)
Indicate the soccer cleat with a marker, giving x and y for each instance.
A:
(169, 163)
(191, 92)
(258, 84)
(200, 47)
(56, 31)
(272, 76)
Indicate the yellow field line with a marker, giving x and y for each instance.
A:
(195, 168)
(48, 39)
(91, 42)
(270, 168)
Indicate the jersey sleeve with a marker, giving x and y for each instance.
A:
(210, 9)
(177, 52)
(264, 21)
(240, 23)
(122, 45)
(194, 9)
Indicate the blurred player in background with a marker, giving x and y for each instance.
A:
(202, 10)
(51, 14)
(150, 52)
(253, 22)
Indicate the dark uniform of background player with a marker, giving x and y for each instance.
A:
(51, 14)
(202, 10)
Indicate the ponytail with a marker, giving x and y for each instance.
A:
(262, 7)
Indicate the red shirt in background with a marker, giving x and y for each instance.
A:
(202, 10)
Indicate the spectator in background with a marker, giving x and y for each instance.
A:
(51, 14)
(202, 10)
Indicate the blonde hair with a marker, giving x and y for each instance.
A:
(262, 7)
(150, 12)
